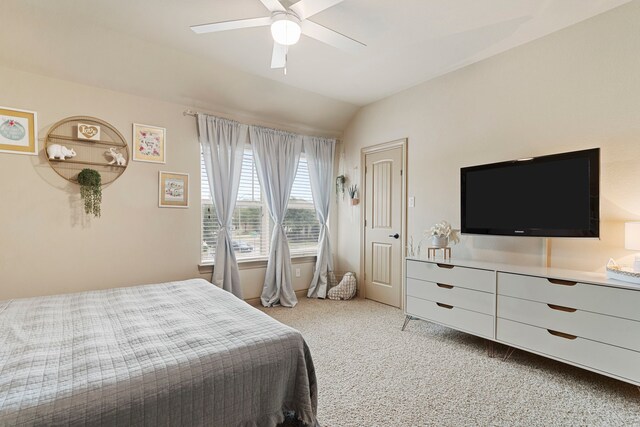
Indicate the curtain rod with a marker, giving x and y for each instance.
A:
(189, 112)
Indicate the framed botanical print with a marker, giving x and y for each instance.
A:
(18, 131)
(149, 143)
(173, 190)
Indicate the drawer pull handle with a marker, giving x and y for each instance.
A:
(561, 308)
(562, 282)
(442, 285)
(562, 334)
(444, 305)
(445, 266)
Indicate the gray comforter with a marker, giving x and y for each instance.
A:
(181, 353)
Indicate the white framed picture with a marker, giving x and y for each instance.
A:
(173, 190)
(18, 131)
(149, 143)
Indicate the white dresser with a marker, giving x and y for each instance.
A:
(579, 318)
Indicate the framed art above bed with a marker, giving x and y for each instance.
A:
(173, 190)
(18, 131)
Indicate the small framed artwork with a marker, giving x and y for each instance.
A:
(18, 131)
(173, 190)
(149, 143)
(88, 132)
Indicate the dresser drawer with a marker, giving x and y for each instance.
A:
(598, 299)
(468, 299)
(455, 317)
(585, 324)
(594, 355)
(469, 278)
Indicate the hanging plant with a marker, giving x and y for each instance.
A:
(91, 191)
(340, 181)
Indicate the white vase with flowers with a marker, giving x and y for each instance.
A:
(441, 234)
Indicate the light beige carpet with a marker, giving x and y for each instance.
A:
(372, 374)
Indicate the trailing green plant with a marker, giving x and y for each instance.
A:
(90, 190)
(340, 181)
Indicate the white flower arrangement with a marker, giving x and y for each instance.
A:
(444, 230)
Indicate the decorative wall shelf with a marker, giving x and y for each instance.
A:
(89, 153)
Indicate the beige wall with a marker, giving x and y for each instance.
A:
(48, 245)
(575, 89)
(68, 46)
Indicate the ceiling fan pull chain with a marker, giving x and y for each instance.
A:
(286, 57)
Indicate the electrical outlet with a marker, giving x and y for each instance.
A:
(297, 272)
(412, 202)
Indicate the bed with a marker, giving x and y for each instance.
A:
(180, 353)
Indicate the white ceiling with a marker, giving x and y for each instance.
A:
(408, 42)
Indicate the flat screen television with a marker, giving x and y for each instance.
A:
(549, 196)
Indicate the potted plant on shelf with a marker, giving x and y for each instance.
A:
(353, 194)
(90, 191)
(441, 234)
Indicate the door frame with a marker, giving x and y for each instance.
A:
(399, 143)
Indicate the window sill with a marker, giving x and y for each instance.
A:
(260, 262)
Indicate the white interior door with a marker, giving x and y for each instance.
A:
(383, 226)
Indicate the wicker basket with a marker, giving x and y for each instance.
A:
(334, 279)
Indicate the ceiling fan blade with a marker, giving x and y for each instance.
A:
(330, 37)
(306, 8)
(279, 56)
(231, 25)
(273, 5)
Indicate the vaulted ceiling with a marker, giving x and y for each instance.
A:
(146, 47)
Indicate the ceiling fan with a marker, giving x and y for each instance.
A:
(286, 27)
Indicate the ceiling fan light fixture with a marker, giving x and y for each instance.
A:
(285, 29)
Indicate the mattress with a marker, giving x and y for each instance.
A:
(180, 353)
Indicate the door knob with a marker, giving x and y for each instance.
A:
(395, 236)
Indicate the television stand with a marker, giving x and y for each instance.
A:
(579, 318)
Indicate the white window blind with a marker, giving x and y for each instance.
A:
(250, 218)
(209, 217)
(251, 222)
(300, 222)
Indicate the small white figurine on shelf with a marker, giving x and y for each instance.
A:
(117, 157)
(57, 151)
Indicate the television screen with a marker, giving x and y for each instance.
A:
(549, 196)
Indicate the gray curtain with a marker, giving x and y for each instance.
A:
(319, 153)
(276, 154)
(222, 144)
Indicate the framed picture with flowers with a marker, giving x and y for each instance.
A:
(18, 131)
(173, 190)
(149, 143)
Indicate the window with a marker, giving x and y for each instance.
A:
(252, 224)
(300, 222)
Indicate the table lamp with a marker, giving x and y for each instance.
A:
(632, 241)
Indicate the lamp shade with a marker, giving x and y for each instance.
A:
(285, 29)
(632, 236)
